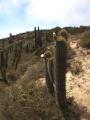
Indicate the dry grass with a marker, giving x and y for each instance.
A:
(33, 103)
(27, 99)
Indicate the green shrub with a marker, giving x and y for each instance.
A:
(85, 40)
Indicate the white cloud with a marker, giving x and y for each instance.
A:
(16, 2)
(60, 11)
(10, 6)
(56, 11)
(45, 13)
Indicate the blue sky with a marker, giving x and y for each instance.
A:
(22, 15)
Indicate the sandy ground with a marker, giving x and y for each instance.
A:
(78, 86)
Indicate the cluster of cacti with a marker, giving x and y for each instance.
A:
(11, 54)
(17, 54)
(4, 57)
(38, 38)
(28, 46)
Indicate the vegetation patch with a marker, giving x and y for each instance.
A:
(85, 40)
(76, 67)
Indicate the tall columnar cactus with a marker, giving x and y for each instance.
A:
(17, 54)
(38, 38)
(60, 71)
(3, 44)
(3, 67)
(49, 81)
(35, 37)
(10, 38)
(6, 58)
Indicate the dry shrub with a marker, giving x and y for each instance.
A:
(12, 77)
(32, 103)
(76, 67)
(85, 40)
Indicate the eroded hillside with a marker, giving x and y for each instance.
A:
(27, 97)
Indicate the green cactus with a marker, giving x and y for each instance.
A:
(17, 54)
(6, 58)
(35, 37)
(60, 71)
(10, 38)
(38, 38)
(3, 67)
(49, 81)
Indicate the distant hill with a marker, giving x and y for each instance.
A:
(30, 34)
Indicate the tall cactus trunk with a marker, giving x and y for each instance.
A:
(60, 71)
(3, 67)
(18, 54)
(6, 58)
(40, 38)
(3, 44)
(35, 37)
(49, 83)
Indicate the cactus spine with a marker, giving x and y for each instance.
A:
(60, 71)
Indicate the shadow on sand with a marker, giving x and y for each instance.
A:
(75, 111)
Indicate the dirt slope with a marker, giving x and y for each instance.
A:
(78, 85)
